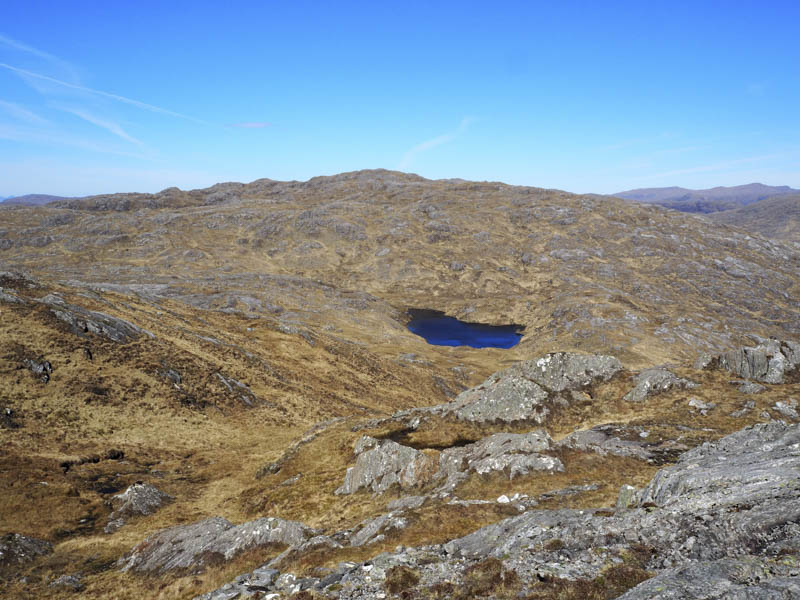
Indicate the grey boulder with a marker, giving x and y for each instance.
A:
(530, 390)
(192, 547)
(656, 381)
(140, 499)
(380, 464)
(17, 549)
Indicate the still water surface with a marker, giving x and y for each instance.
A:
(441, 330)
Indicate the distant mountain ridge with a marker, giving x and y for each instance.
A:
(706, 201)
(32, 199)
(775, 218)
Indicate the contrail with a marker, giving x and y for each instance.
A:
(136, 103)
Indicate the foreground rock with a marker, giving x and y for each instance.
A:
(381, 464)
(656, 381)
(193, 547)
(771, 361)
(734, 579)
(17, 549)
(83, 321)
(140, 499)
(530, 390)
(721, 523)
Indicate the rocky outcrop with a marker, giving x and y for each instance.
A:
(509, 453)
(656, 381)
(380, 464)
(600, 440)
(17, 549)
(721, 522)
(41, 368)
(731, 578)
(193, 547)
(84, 321)
(140, 499)
(530, 390)
(771, 361)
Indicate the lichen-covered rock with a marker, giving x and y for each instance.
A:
(529, 390)
(720, 523)
(192, 547)
(17, 549)
(730, 578)
(41, 368)
(750, 387)
(380, 464)
(787, 409)
(561, 371)
(731, 498)
(655, 381)
(139, 499)
(375, 530)
(511, 453)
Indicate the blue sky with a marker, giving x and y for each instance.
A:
(587, 97)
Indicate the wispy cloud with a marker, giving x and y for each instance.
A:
(440, 140)
(118, 98)
(109, 126)
(251, 125)
(49, 138)
(53, 60)
(20, 112)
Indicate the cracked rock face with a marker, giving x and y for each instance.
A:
(193, 546)
(89, 321)
(655, 381)
(769, 362)
(529, 390)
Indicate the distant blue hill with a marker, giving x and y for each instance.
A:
(706, 201)
(32, 199)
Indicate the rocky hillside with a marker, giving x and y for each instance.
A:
(706, 201)
(774, 218)
(352, 252)
(212, 394)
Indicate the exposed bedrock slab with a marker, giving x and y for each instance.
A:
(380, 464)
(193, 546)
(729, 578)
(530, 389)
(769, 362)
(736, 497)
(656, 381)
(720, 523)
(88, 321)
